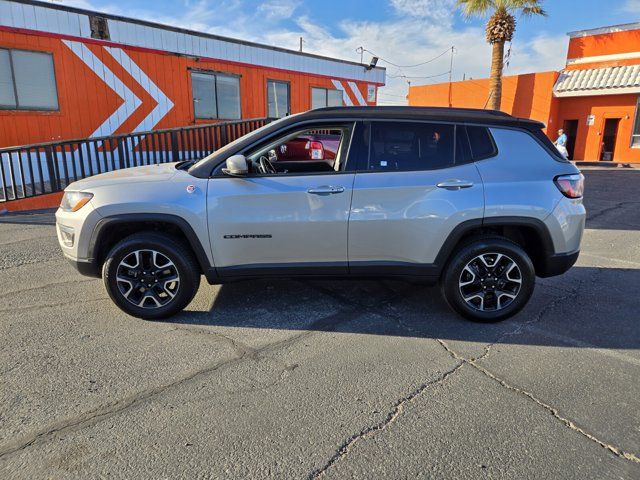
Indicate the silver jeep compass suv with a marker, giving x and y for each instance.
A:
(477, 200)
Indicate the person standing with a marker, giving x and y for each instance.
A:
(561, 144)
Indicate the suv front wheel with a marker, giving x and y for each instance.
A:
(488, 279)
(151, 275)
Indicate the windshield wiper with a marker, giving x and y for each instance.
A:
(185, 164)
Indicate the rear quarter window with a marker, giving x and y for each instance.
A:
(481, 143)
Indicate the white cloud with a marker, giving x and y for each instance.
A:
(435, 9)
(278, 9)
(419, 31)
(631, 6)
(544, 52)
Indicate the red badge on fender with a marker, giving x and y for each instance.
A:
(191, 188)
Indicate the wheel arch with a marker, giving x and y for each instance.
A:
(109, 230)
(529, 233)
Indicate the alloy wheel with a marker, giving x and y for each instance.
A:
(147, 279)
(490, 282)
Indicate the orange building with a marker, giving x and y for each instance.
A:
(594, 98)
(72, 73)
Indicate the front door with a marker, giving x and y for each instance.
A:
(609, 135)
(418, 184)
(293, 220)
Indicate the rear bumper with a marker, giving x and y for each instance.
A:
(556, 264)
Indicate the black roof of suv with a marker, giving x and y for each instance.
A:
(471, 115)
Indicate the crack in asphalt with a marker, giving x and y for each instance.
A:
(27, 308)
(238, 347)
(610, 209)
(247, 352)
(618, 452)
(398, 407)
(50, 284)
(393, 415)
(326, 324)
(521, 326)
(30, 262)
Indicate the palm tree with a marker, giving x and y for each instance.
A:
(500, 29)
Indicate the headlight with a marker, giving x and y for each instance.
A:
(74, 201)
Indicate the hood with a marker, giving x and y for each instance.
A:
(126, 176)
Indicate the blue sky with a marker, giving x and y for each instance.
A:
(404, 32)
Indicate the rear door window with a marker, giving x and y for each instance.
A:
(407, 146)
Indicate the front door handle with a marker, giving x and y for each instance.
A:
(455, 184)
(325, 190)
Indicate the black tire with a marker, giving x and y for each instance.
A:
(452, 279)
(184, 263)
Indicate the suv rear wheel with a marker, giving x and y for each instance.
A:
(151, 275)
(488, 279)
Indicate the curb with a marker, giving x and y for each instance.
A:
(603, 164)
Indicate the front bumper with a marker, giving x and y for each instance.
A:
(74, 231)
(88, 268)
(556, 264)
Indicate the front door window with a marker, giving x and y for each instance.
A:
(316, 149)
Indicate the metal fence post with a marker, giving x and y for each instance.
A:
(54, 182)
(175, 153)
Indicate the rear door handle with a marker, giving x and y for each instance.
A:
(455, 184)
(325, 190)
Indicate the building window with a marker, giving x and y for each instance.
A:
(635, 134)
(27, 81)
(325, 97)
(277, 99)
(215, 95)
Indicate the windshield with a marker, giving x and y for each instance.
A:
(232, 145)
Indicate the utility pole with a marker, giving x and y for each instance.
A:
(451, 76)
(360, 50)
(301, 40)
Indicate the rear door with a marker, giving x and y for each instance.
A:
(416, 184)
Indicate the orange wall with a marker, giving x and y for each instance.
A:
(604, 44)
(51, 200)
(85, 100)
(589, 138)
(529, 95)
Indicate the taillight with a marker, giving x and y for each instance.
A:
(571, 186)
(316, 150)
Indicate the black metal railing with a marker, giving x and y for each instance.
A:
(38, 169)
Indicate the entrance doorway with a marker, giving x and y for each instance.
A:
(570, 128)
(609, 139)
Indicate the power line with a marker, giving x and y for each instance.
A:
(361, 50)
(419, 78)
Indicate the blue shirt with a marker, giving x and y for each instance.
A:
(562, 140)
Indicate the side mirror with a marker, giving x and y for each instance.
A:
(236, 166)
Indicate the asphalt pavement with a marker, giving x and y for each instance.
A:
(324, 379)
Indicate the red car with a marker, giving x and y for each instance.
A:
(313, 146)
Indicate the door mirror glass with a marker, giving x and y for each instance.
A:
(236, 166)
